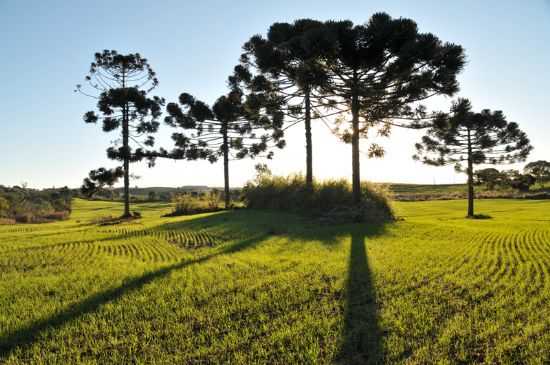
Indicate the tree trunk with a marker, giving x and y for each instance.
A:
(227, 197)
(470, 172)
(309, 149)
(356, 177)
(125, 146)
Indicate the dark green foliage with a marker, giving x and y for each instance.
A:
(34, 206)
(539, 169)
(463, 136)
(518, 181)
(123, 83)
(490, 177)
(380, 73)
(233, 124)
(285, 70)
(98, 179)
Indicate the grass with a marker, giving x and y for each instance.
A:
(420, 192)
(262, 287)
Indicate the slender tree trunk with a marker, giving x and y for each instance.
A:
(309, 148)
(226, 170)
(470, 172)
(125, 145)
(356, 177)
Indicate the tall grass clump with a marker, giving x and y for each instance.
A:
(187, 204)
(330, 200)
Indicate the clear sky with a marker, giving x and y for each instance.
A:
(46, 48)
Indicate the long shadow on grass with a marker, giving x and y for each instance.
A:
(362, 336)
(30, 333)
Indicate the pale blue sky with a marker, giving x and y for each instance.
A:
(47, 46)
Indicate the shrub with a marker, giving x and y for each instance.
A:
(186, 204)
(4, 207)
(5, 221)
(330, 200)
(213, 199)
(34, 206)
(57, 216)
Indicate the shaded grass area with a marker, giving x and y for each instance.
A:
(279, 288)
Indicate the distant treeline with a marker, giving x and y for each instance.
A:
(24, 205)
(156, 194)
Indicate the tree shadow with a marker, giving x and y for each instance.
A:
(362, 336)
(27, 335)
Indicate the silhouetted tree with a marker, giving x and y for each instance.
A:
(123, 83)
(474, 138)
(539, 169)
(231, 124)
(379, 75)
(98, 179)
(517, 180)
(490, 177)
(286, 70)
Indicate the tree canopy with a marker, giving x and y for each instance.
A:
(379, 75)
(121, 85)
(539, 169)
(463, 136)
(233, 124)
(287, 68)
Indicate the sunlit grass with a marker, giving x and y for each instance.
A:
(260, 287)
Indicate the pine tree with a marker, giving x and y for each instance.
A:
(463, 136)
(231, 125)
(380, 74)
(121, 84)
(287, 68)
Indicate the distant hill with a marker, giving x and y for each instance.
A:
(164, 189)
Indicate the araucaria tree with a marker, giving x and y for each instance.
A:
(121, 84)
(287, 68)
(234, 127)
(465, 137)
(98, 179)
(379, 75)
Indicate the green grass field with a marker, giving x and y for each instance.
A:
(249, 287)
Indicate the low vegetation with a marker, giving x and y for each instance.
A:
(23, 205)
(249, 286)
(330, 199)
(187, 204)
(423, 192)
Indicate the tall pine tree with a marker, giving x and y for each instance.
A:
(380, 74)
(465, 137)
(121, 84)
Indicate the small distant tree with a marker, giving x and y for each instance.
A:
(490, 177)
(165, 196)
(152, 195)
(230, 125)
(121, 84)
(463, 136)
(539, 169)
(518, 181)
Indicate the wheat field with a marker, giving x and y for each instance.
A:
(260, 287)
